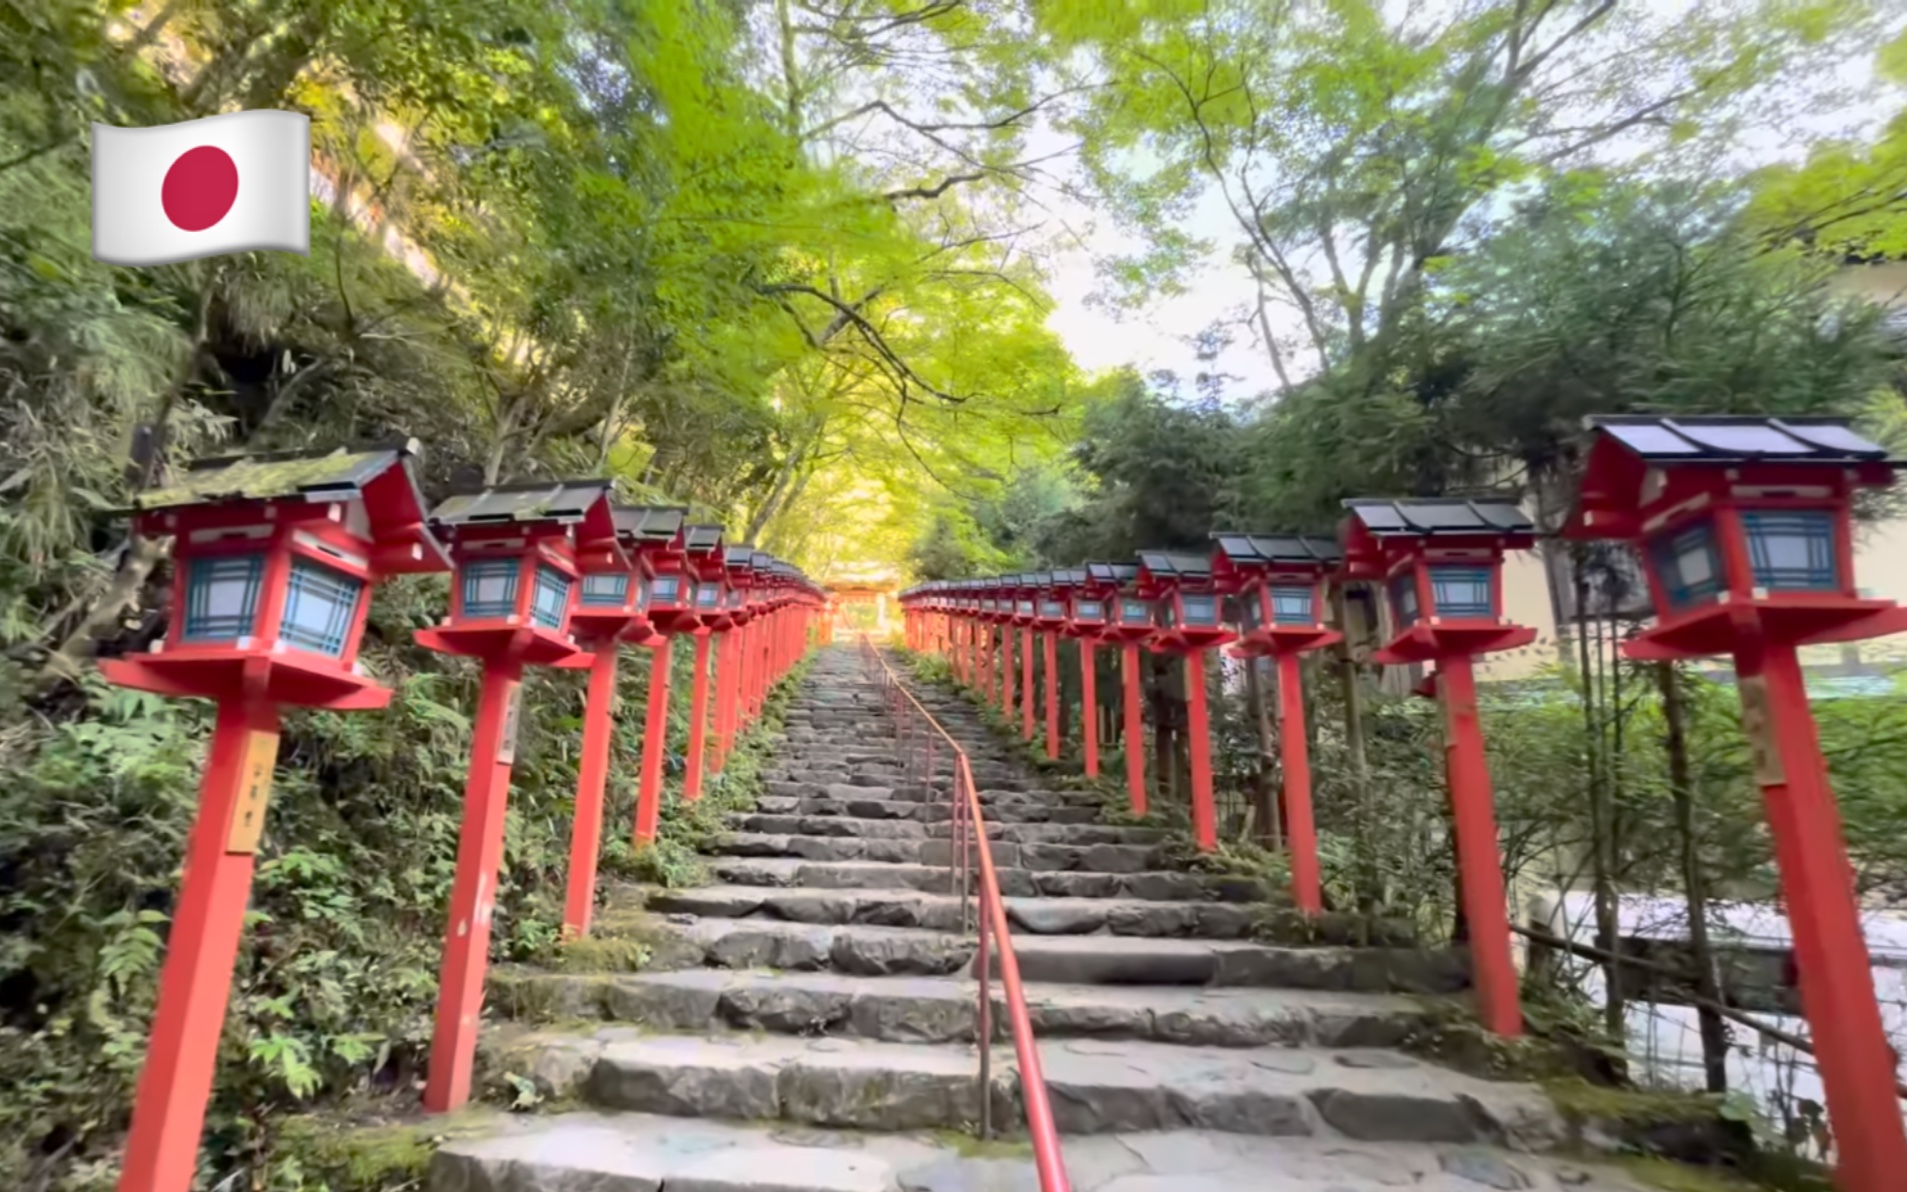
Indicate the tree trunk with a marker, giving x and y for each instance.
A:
(1601, 818)
(1369, 884)
(1714, 1030)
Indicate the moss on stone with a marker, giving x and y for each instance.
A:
(1451, 1035)
(968, 1146)
(604, 954)
(1585, 1102)
(1669, 1176)
(358, 1156)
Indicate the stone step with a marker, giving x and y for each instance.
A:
(1144, 886)
(636, 1152)
(877, 786)
(944, 1009)
(921, 850)
(1097, 1086)
(902, 907)
(871, 950)
(891, 829)
(867, 807)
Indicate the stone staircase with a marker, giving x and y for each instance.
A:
(807, 1023)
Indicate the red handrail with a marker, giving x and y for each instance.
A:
(969, 832)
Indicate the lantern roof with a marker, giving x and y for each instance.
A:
(273, 476)
(651, 525)
(1262, 550)
(1625, 450)
(1421, 517)
(1069, 577)
(1112, 573)
(1174, 567)
(378, 476)
(564, 502)
(701, 538)
(1736, 438)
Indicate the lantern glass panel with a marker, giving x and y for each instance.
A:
(1292, 604)
(1793, 550)
(1135, 612)
(489, 587)
(1169, 613)
(1025, 608)
(663, 589)
(550, 601)
(1200, 610)
(642, 592)
(735, 598)
(1052, 610)
(221, 597)
(1690, 568)
(1403, 592)
(708, 596)
(1462, 591)
(1089, 610)
(320, 604)
(606, 588)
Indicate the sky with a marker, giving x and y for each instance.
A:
(1159, 336)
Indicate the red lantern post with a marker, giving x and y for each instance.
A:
(1021, 590)
(1188, 624)
(712, 617)
(1049, 617)
(1086, 620)
(1003, 617)
(515, 550)
(608, 611)
(1131, 627)
(741, 564)
(1440, 563)
(968, 603)
(985, 617)
(671, 610)
(273, 561)
(1744, 526)
(1279, 581)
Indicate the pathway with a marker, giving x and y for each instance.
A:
(815, 1031)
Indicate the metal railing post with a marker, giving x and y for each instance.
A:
(970, 850)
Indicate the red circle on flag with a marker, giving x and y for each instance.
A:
(200, 188)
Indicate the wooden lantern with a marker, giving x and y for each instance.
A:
(274, 557)
(1188, 623)
(1745, 528)
(1278, 584)
(515, 551)
(1440, 562)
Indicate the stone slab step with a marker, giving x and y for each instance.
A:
(1146, 886)
(1137, 960)
(842, 825)
(944, 1010)
(942, 912)
(1097, 1086)
(868, 807)
(1091, 858)
(882, 784)
(1079, 959)
(635, 1152)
